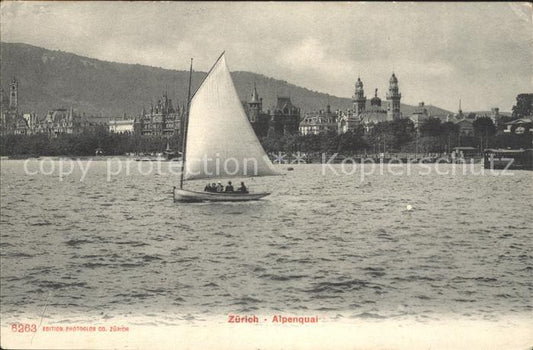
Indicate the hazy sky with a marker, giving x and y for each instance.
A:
(479, 52)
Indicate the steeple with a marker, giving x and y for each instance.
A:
(255, 97)
(359, 98)
(375, 101)
(13, 94)
(71, 113)
(393, 96)
(393, 79)
(358, 84)
(255, 105)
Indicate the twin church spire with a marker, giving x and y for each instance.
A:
(393, 96)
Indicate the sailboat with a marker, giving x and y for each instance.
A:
(218, 140)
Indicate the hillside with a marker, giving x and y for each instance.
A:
(54, 79)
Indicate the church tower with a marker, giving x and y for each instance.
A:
(13, 94)
(393, 96)
(255, 106)
(359, 98)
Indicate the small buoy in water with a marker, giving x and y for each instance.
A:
(290, 168)
(409, 207)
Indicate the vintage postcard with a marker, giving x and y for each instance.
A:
(266, 175)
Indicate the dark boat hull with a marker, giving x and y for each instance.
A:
(192, 196)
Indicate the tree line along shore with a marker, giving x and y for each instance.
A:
(398, 136)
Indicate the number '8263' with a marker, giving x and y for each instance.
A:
(23, 327)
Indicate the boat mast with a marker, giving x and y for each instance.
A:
(185, 127)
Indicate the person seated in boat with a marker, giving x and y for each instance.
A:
(229, 187)
(243, 188)
(213, 187)
(219, 187)
(208, 188)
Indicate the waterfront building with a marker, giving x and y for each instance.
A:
(285, 117)
(59, 121)
(254, 111)
(122, 126)
(369, 115)
(375, 114)
(519, 126)
(466, 127)
(366, 116)
(319, 122)
(463, 121)
(91, 123)
(25, 124)
(419, 115)
(162, 119)
(68, 121)
(56, 121)
(346, 121)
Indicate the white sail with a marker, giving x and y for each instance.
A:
(220, 140)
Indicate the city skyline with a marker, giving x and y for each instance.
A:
(479, 53)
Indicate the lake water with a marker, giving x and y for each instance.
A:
(322, 243)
